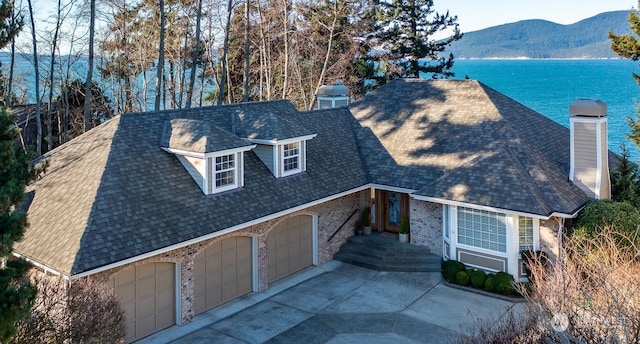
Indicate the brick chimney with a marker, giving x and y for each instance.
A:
(333, 96)
(589, 153)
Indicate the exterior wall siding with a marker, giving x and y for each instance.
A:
(330, 216)
(425, 222)
(549, 237)
(265, 153)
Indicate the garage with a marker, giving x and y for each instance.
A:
(147, 294)
(222, 272)
(290, 247)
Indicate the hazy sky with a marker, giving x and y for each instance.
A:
(479, 14)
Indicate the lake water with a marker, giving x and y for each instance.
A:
(549, 86)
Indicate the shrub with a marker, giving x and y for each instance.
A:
(87, 311)
(598, 214)
(489, 283)
(503, 283)
(470, 271)
(462, 278)
(477, 278)
(450, 268)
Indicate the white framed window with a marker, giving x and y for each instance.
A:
(482, 229)
(291, 158)
(525, 233)
(225, 172)
(445, 222)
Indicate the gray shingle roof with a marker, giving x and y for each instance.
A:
(113, 194)
(198, 136)
(267, 126)
(460, 140)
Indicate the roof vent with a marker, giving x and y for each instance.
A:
(333, 96)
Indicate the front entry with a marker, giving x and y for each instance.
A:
(395, 205)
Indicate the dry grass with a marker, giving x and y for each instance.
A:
(590, 295)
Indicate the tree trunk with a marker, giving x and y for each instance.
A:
(51, 76)
(88, 82)
(160, 67)
(225, 52)
(247, 55)
(195, 56)
(285, 71)
(37, 81)
(13, 61)
(326, 56)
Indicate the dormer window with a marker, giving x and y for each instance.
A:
(291, 158)
(212, 156)
(225, 172)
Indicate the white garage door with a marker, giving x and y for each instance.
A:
(147, 294)
(290, 247)
(222, 272)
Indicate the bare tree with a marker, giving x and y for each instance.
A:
(195, 57)
(88, 80)
(247, 53)
(225, 54)
(37, 81)
(160, 67)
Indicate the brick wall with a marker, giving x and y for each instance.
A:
(426, 225)
(330, 216)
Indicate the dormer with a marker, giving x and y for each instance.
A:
(213, 157)
(280, 144)
(332, 96)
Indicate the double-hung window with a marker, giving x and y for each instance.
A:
(225, 174)
(525, 233)
(291, 158)
(482, 229)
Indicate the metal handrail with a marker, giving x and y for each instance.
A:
(342, 225)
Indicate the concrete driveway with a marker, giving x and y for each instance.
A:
(341, 303)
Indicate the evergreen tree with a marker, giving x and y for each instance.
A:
(404, 30)
(16, 292)
(625, 180)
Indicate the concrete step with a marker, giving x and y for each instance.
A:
(379, 252)
(375, 264)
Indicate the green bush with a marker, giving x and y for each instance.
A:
(478, 278)
(450, 268)
(489, 283)
(598, 214)
(470, 271)
(462, 278)
(503, 283)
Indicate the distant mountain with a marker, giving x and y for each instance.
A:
(543, 39)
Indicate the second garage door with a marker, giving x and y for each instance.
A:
(222, 272)
(290, 247)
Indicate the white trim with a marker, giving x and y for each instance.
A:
(581, 119)
(513, 244)
(598, 159)
(254, 263)
(298, 156)
(178, 292)
(314, 239)
(277, 142)
(276, 162)
(216, 234)
(572, 149)
(392, 188)
(209, 154)
(41, 266)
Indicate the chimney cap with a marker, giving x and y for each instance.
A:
(333, 91)
(588, 108)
